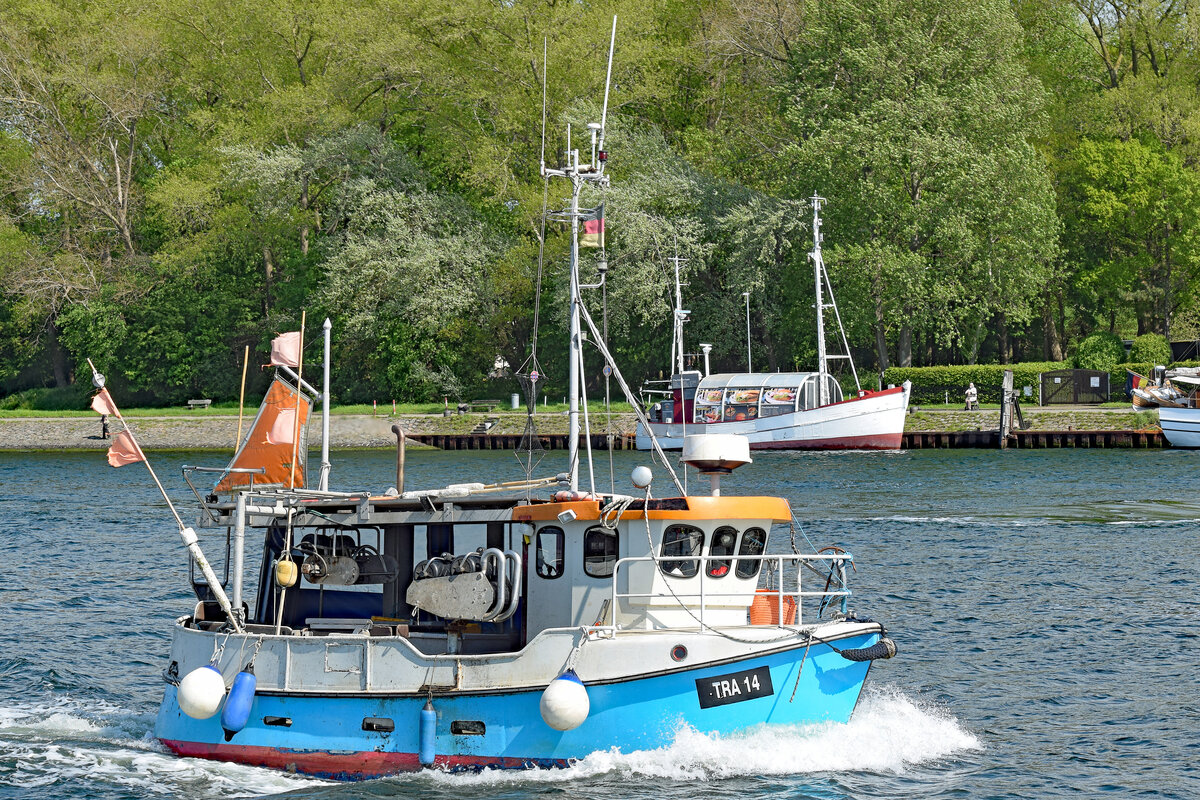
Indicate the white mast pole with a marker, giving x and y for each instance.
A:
(325, 415)
(677, 345)
(576, 353)
(818, 268)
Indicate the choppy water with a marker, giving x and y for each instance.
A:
(1045, 605)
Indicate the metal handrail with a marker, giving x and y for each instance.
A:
(838, 559)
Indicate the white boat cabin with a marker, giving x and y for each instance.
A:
(743, 396)
(487, 576)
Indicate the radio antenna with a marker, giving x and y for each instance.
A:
(544, 67)
(608, 80)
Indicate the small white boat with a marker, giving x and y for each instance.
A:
(1181, 424)
(775, 410)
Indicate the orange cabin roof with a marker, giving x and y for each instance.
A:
(698, 508)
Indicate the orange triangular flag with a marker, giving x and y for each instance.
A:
(285, 350)
(103, 404)
(124, 450)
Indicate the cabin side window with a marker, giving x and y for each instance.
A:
(599, 552)
(834, 389)
(707, 405)
(724, 541)
(681, 540)
(741, 404)
(550, 552)
(810, 394)
(754, 542)
(778, 400)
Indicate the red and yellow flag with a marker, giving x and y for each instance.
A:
(593, 228)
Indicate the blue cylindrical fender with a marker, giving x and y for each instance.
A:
(236, 713)
(428, 734)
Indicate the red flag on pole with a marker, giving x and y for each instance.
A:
(124, 450)
(285, 349)
(103, 404)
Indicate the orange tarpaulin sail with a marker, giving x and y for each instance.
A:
(265, 445)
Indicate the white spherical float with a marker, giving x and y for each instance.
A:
(201, 692)
(565, 704)
(642, 477)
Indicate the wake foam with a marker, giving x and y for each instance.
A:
(66, 742)
(890, 732)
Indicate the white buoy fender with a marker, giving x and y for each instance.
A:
(565, 704)
(201, 692)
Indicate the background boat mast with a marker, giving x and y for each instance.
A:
(818, 280)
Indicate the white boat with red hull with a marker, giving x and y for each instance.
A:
(778, 410)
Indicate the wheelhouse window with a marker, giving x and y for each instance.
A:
(741, 404)
(754, 543)
(678, 541)
(833, 389)
(708, 405)
(599, 552)
(550, 552)
(778, 400)
(724, 543)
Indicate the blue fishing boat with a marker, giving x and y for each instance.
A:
(499, 624)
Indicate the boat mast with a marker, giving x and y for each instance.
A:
(579, 174)
(818, 268)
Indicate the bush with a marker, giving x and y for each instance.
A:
(1101, 351)
(1151, 347)
(930, 384)
(72, 398)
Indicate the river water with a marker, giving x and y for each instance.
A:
(1044, 603)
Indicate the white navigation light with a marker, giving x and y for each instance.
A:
(641, 477)
(201, 692)
(716, 454)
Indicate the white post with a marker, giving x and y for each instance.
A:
(706, 348)
(324, 484)
(239, 550)
(748, 367)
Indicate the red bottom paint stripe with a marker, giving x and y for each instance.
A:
(345, 766)
(882, 441)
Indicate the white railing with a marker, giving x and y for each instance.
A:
(678, 587)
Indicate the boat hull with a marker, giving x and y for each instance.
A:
(873, 422)
(326, 736)
(1180, 426)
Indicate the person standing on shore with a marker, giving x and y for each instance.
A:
(104, 426)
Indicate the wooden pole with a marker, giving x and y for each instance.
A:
(299, 383)
(242, 397)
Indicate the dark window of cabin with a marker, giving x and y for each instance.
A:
(681, 540)
(550, 552)
(599, 552)
(724, 543)
(754, 542)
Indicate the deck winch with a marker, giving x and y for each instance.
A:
(483, 586)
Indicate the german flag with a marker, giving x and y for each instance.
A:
(593, 228)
